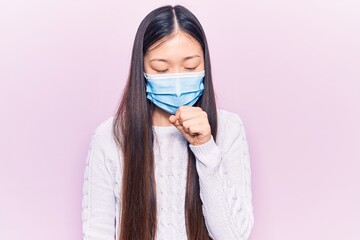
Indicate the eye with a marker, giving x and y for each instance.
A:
(191, 68)
(161, 71)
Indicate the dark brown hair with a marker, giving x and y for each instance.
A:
(133, 133)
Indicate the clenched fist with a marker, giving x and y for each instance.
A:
(193, 123)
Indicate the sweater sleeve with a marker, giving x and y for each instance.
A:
(98, 200)
(225, 184)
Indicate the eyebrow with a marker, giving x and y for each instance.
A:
(164, 60)
(190, 57)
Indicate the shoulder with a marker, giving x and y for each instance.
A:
(228, 119)
(105, 127)
(230, 128)
(102, 134)
(103, 149)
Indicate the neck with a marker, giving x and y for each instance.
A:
(160, 117)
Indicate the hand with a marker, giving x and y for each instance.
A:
(193, 123)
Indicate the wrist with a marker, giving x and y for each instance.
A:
(208, 153)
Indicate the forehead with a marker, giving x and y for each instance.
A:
(179, 45)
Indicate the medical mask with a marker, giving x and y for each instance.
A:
(170, 91)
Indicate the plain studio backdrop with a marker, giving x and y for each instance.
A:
(290, 69)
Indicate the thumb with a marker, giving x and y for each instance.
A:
(173, 120)
(176, 123)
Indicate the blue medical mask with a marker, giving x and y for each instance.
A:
(170, 91)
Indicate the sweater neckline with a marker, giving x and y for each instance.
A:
(165, 129)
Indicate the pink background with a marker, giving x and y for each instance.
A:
(290, 69)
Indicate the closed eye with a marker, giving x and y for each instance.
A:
(191, 68)
(161, 71)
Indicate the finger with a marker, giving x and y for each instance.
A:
(184, 132)
(172, 119)
(193, 121)
(182, 109)
(190, 113)
(196, 130)
(201, 117)
(195, 126)
(185, 116)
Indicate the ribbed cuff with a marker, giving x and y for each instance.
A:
(208, 154)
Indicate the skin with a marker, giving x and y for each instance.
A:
(179, 53)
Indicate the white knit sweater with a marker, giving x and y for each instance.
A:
(224, 177)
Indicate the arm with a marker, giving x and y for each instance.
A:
(225, 184)
(98, 201)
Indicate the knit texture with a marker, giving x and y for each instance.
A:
(224, 177)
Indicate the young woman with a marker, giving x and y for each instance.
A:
(169, 164)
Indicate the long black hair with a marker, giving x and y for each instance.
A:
(132, 129)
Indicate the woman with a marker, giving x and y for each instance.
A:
(168, 165)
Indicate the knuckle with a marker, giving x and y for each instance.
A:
(182, 115)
